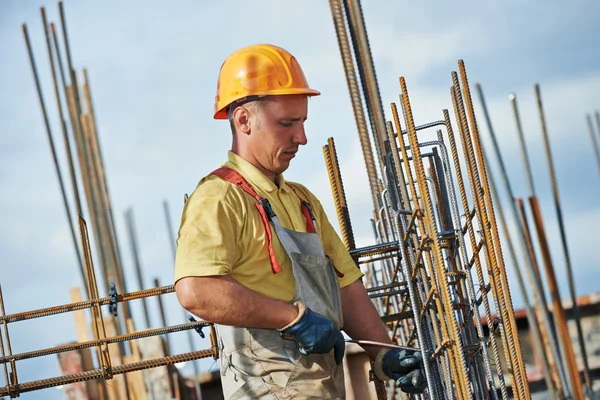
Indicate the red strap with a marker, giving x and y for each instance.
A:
(237, 179)
(310, 226)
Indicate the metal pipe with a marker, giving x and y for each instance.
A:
(563, 237)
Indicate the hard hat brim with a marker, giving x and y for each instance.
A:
(222, 113)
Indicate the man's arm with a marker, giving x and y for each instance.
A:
(222, 300)
(361, 320)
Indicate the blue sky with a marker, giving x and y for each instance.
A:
(153, 74)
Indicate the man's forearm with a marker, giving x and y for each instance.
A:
(361, 320)
(223, 300)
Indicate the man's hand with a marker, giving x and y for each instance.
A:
(402, 366)
(315, 333)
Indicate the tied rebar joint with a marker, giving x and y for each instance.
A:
(197, 328)
(113, 294)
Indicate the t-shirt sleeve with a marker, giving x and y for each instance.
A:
(334, 247)
(207, 243)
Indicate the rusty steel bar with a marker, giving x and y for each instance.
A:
(545, 321)
(11, 378)
(357, 106)
(475, 185)
(163, 317)
(366, 71)
(558, 332)
(101, 301)
(173, 244)
(558, 309)
(100, 373)
(49, 134)
(99, 342)
(412, 289)
(563, 237)
(594, 139)
(417, 261)
(479, 269)
(514, 343)
(547, 332)
(63, 122)
(551, 380)
(339, 196)
(96, 153)
(452, 331)
(129, 221)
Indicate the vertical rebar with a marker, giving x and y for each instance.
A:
(173, 245)
(366, 70)
(533, 322)
(475, 184)
(50, 139)
(344, 215)
(563, 238)
(136, 259)
(357, 106)
(515, 216)
(528, 173)
(452, 331)
(418, 261)
(478, 267)
(416, 308)
(514, 343)
(594, 139)
(13, 366)
(558, 310)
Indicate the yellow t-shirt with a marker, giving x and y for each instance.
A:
(222, 233)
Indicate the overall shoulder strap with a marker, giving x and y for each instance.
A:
(262, 205)
(311, 221)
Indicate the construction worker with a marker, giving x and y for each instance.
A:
(258, 257)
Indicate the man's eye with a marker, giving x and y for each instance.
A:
(286, 124)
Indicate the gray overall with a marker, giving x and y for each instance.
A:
(258, 363)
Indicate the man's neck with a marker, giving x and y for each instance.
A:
(252, 160)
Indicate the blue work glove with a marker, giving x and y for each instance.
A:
(402, 366)
(315, 333)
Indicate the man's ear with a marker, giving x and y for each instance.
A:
(241, 119)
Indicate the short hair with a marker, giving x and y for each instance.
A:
(251, 102)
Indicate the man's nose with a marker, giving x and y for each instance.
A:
(300, 135)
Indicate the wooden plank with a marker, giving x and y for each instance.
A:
(116, 386)
(81, 325)
(157, 379)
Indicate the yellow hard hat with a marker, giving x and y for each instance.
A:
(259, 70)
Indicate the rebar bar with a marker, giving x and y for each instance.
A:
(15, 390)
(594, 139)
(563, 238)
(357, 106)
(545, 321)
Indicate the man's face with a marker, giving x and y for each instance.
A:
(278, 131)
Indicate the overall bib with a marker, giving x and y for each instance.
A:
(258, 363)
